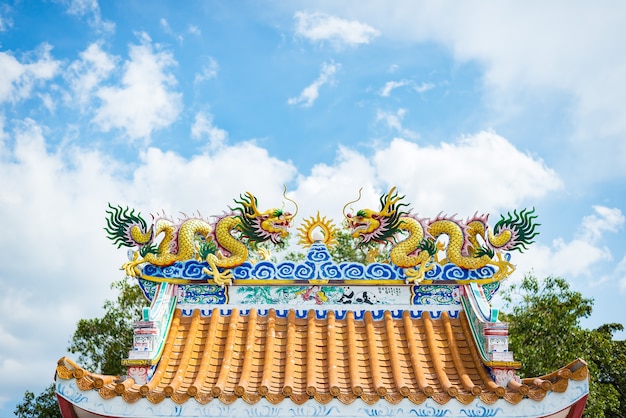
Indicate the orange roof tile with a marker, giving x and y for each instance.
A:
(254, 356)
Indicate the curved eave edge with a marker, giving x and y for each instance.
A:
(573, 399)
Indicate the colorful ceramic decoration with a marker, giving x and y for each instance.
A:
(229, 248)
(232, 331)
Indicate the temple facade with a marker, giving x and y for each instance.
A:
(231, 332)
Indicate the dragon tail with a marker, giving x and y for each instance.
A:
(125, 228)
(523, 227)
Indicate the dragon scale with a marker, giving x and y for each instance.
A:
(223, 234)
(401, 254)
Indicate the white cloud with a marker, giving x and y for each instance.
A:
(168, 29)
(542, 50)
(53, 213)
(392, 85)
(319, 27)
(605, 219)
(203, 127)
(17, 79)
(620, 272)
(85, 75)
(5, 21)
(565, 259)
(583, 256)
(310, 93)
(91, 10)
(328, 187)
(483, 172)
(424, 87)
(146, 101)
(209, 71)
(394, 122)
(53, 208)
(194, 30)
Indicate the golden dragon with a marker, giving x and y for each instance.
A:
(223, 244)
(469, 245)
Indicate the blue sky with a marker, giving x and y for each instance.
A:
(473, 106)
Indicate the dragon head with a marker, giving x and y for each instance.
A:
(256, 226)
(377, 226)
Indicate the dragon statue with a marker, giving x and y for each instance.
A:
(223, 244)
(470, 244)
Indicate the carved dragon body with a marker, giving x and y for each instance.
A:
(223, 245)
(470, 244)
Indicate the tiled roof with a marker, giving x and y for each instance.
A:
(251, 356)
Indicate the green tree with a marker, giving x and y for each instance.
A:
(348, 249)
(545, 332)
(100, 343)
(44, 405)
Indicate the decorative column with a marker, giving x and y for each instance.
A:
(139, 361)
(496, 340)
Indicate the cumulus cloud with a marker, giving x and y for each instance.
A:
(54, 202)
(310, 93)
(18, 79)
(483, 172)
(328, 187)
(319, 27)
(146, 100)
(53, 212)
(203, 127)
(85, 75)
(581, 256)
(604, 219)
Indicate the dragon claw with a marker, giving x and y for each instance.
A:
(505, 268)
(131, 268)
(416, 275)
(221, 278)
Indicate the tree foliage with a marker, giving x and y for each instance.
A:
(100, 343)
(545, 333)
(348, 249)
(44, 405)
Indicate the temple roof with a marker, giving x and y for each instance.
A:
(230, 333)
(254, 354)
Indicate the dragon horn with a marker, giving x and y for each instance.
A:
(291, 200)
(251, 204)
(390, 200)
(349, 203)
